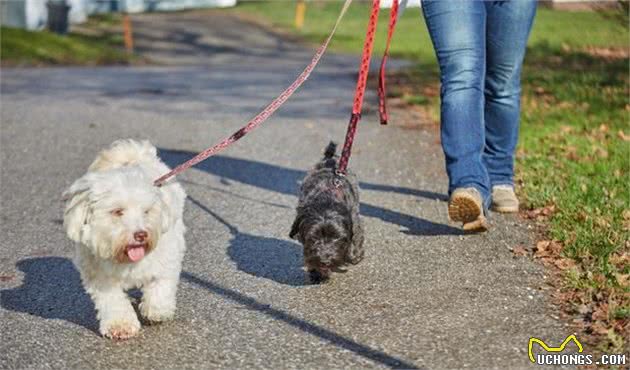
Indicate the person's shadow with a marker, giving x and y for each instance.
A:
(51, 290)
(270, 258)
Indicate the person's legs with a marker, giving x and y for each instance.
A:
(507, 28)
(457, 30)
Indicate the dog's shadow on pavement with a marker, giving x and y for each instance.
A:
(51, 289)
(270, 258)
(284, 180)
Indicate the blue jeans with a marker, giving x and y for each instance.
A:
(480, 47)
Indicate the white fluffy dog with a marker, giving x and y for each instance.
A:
(129, 234)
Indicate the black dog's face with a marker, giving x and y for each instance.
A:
(326, 238)
(325, 246)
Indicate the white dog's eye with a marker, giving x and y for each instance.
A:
(118, 212)
(146, 212)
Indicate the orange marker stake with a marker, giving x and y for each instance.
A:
(300, 9)
(128, 33)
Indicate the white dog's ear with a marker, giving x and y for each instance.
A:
(75, 216)
(167, 215)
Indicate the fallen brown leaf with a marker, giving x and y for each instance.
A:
(519, 251)
(572, 153)
(599, 328)
(599, 278)
(537, 213)
(601, 152)
(583, 309)
(620, 259)
(623, 280)
(540, 90)
(601, 312)
(564, 263)
(555, 247)
(541, 249)
(607, 52)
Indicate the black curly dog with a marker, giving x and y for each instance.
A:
(327, 222)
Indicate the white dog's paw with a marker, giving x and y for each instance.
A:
(156, 314)
(120, 329)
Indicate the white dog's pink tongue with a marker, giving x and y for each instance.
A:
(135, 253)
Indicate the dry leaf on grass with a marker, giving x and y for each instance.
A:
(620, 259)
(540, 214)
(610, 53)
(601, 312)
(519, 251)
(600, 152)
(626, 219)
(623, 280)
(548, 248)
(568, 296)
(541, 249)
(599, 328)
(556, 247)
(599, 278)
(621, 326)
(584, 309)
(564, 263)
(571, 153)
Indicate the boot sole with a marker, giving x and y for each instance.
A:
(465, 208)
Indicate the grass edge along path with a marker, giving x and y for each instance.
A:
(96, 42)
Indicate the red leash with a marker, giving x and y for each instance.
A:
(382, 95)
(361, 82)
(360, 90)
(262, 116)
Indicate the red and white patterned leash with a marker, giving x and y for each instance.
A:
(362, 80)
(264, 114)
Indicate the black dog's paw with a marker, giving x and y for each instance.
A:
(316, 277)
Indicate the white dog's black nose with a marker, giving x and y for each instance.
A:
(140, 236)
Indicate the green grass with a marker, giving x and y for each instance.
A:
(411, 40)
(573, 154)
(20, 47)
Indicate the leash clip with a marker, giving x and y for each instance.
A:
(337, 183)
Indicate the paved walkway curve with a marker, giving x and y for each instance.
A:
(426, 296)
